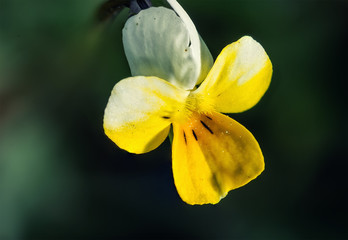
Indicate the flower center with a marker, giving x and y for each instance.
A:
(194, 104)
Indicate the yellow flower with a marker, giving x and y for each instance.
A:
(175, 83)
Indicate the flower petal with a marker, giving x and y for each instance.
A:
(138, 115)
(157, 42)
(213, 154)
(239, 77)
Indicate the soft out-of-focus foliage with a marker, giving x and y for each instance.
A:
(61, 177)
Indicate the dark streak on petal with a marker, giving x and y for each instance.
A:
(216, 183)
(185, 138)
(194, 134)
(204, 125)
(209, 117)
(165, 117)
(238, 170)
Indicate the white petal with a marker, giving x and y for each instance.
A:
(159, 43)
(192, 31)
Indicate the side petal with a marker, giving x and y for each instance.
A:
(239, 77)
(138, 115)
(158, 42)
(213, 154)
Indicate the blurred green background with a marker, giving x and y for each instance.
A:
(62, 178)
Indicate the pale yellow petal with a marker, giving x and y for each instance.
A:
(239, 78)
(138, 115)
(213, 154)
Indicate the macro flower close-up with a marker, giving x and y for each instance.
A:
(173, 119)
(176, 84)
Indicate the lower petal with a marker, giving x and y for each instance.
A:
(213, 154)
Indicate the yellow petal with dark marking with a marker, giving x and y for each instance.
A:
(213, 154)
(138, 115)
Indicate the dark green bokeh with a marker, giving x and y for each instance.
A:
(62, 178)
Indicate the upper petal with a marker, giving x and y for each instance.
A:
(213, 154)
(138, 115)
(158, 42)
(239, 77)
